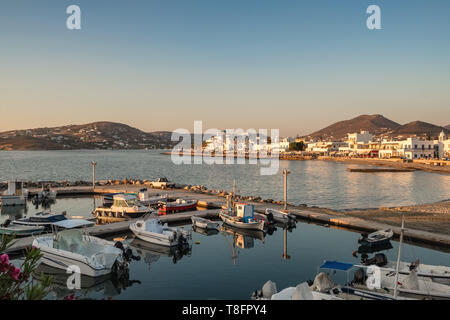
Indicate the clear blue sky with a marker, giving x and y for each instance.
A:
(159, 65)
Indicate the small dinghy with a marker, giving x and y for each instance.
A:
(45, 219)
(178, 206)
(20, 231)
(204, 223)
(280, 216)
(378, 237)
(154, 231)
(94, 256)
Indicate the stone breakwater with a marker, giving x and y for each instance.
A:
(145, 184)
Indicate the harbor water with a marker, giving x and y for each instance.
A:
(229, 264)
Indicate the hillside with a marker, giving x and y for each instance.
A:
(375, 124)
(447, 127)
(419, 128)
(97, 135)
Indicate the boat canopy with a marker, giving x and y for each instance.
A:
(335, 265)
(73, 223)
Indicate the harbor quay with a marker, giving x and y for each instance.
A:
(210, 202)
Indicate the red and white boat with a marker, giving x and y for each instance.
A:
(177, 206)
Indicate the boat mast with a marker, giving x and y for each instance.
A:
(233, 193)
(398, 258)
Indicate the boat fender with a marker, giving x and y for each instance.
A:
(354, 253)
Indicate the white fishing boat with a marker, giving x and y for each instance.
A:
(243, 218)
(204, 223)
(410, 285)
(154, 231)
(20, 230)
(146, 200)
(94, 256)
(378, 237)
(280, 216)
(437, 273)
(13, 196)
(124, 206)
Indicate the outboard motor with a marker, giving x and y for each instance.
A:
(127, 253)
(360, 276)
(379, 260)
(6, 223)
(270, 217)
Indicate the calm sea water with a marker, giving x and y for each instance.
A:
(224, 265)
(315, 183)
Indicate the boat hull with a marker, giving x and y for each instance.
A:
(176, 208)
(12, 200)
(55, 260)
(153, 237)
(21, 231)
(204, 223)
(259, 225)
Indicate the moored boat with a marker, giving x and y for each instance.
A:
(13, 196)
(20, 230)
(244, 217)
(377, 238)
(204, 223)
(280, 216)
(93, 256)
(124, 206)
(178, 205)
(154, 231)
(45, 219)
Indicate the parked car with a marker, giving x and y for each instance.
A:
(161, 183)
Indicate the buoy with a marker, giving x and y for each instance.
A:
(197, 242)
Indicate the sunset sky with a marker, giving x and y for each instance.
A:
(159, 65)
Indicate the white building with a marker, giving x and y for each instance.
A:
(284, 144)
(361, 137)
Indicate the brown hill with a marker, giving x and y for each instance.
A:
(447, 127)
(419, 128)
(97, 135)
(375, 124)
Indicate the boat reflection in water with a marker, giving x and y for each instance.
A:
(365, 250)
(206, 232)
(241, 238)
(107, 286)
(151, 253)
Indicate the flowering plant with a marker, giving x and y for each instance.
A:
(17, 283)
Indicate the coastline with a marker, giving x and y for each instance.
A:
(423, 165)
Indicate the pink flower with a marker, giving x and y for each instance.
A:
(4, 259)
(15, 273)
(70, 297)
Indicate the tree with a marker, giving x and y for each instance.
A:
(296, 146)
(17, 283)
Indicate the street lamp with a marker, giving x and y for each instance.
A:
(93, 173)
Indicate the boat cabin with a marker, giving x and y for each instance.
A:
(124, 200)
(245, 211)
